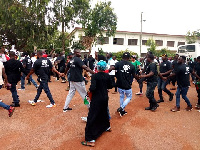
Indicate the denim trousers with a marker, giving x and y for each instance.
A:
(162, 87)
(182, 91)
(23, 81)
(44, 85)
(123, 93)
(4, 105)
(14, 93)
(150, 93)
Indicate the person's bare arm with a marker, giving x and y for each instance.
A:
(87, 69)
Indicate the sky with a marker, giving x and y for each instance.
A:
(175, 17)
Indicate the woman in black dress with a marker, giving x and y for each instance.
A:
(98, 118)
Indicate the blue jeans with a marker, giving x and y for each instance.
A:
(4, 105)
(150, 93)
(44, 85)
(162, 87)
(182, 91)
(14, 93)
(128, 93)
(23, 81)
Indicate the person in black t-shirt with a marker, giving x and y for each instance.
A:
(197, 70)
(151, 76)
(76, 67)
(27, 64)
(13, 70)
(191, 64)
(125, 72)
(174, 66)
(165, 70)
(182, 74)
(91, 62)
(42, 67)
(61, 66)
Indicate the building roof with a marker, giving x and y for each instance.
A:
(129, 32)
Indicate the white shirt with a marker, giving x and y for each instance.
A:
(1, 67)
(3, 58)
(112, 62)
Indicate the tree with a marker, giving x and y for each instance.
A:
(97, 21)
(152, 46)
(191, 37)
(29, 23)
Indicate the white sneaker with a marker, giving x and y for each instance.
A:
(51, 105)
(21, 89)
(32, 102)
(84, 119)
(138, 93)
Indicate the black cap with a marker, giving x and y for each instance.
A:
(126, 55)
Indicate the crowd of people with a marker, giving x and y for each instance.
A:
(105, 73)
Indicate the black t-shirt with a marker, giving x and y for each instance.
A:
(61, 61)
(174, 65)
(91, 62)
(165, 66)
(28, 63)
(76, 70)
(42, 67)
(85, 61)
(183, 75)
(152, 67)
(191, 64)
(125, 71)
(197, 69)
(13, 69)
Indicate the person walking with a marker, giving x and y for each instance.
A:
(98, 117)
(151, 77)
(182, 74)
(125, 71)
(2, 73)
(76, 67)
(197, 70)
(27, 64)
(42, 67)
(165, 70)
(13, 69)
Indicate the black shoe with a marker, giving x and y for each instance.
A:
(122, 113)
(65, 110)
(153, 108)
(119, 109)
(171, 97)
(148, 108)
(159, 101)
(15, 105)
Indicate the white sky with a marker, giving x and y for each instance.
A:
(174, 17)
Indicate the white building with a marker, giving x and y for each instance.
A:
(131, 40)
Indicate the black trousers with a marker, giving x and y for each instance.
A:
(113, 82)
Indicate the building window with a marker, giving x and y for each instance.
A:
(144, 42)
(181, 43)
(118, 41)
(105, 40)
(159, 42)
(132, 41)
(170, 43)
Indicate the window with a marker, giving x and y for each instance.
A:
(190, 48)
(132, 41)
(181, 43)
(118, 41)
(144, 42)
(105, 40)
(170, 43)
(159, 42)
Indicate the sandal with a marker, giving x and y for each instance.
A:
(86, 143)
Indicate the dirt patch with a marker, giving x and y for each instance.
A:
(38, 127)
